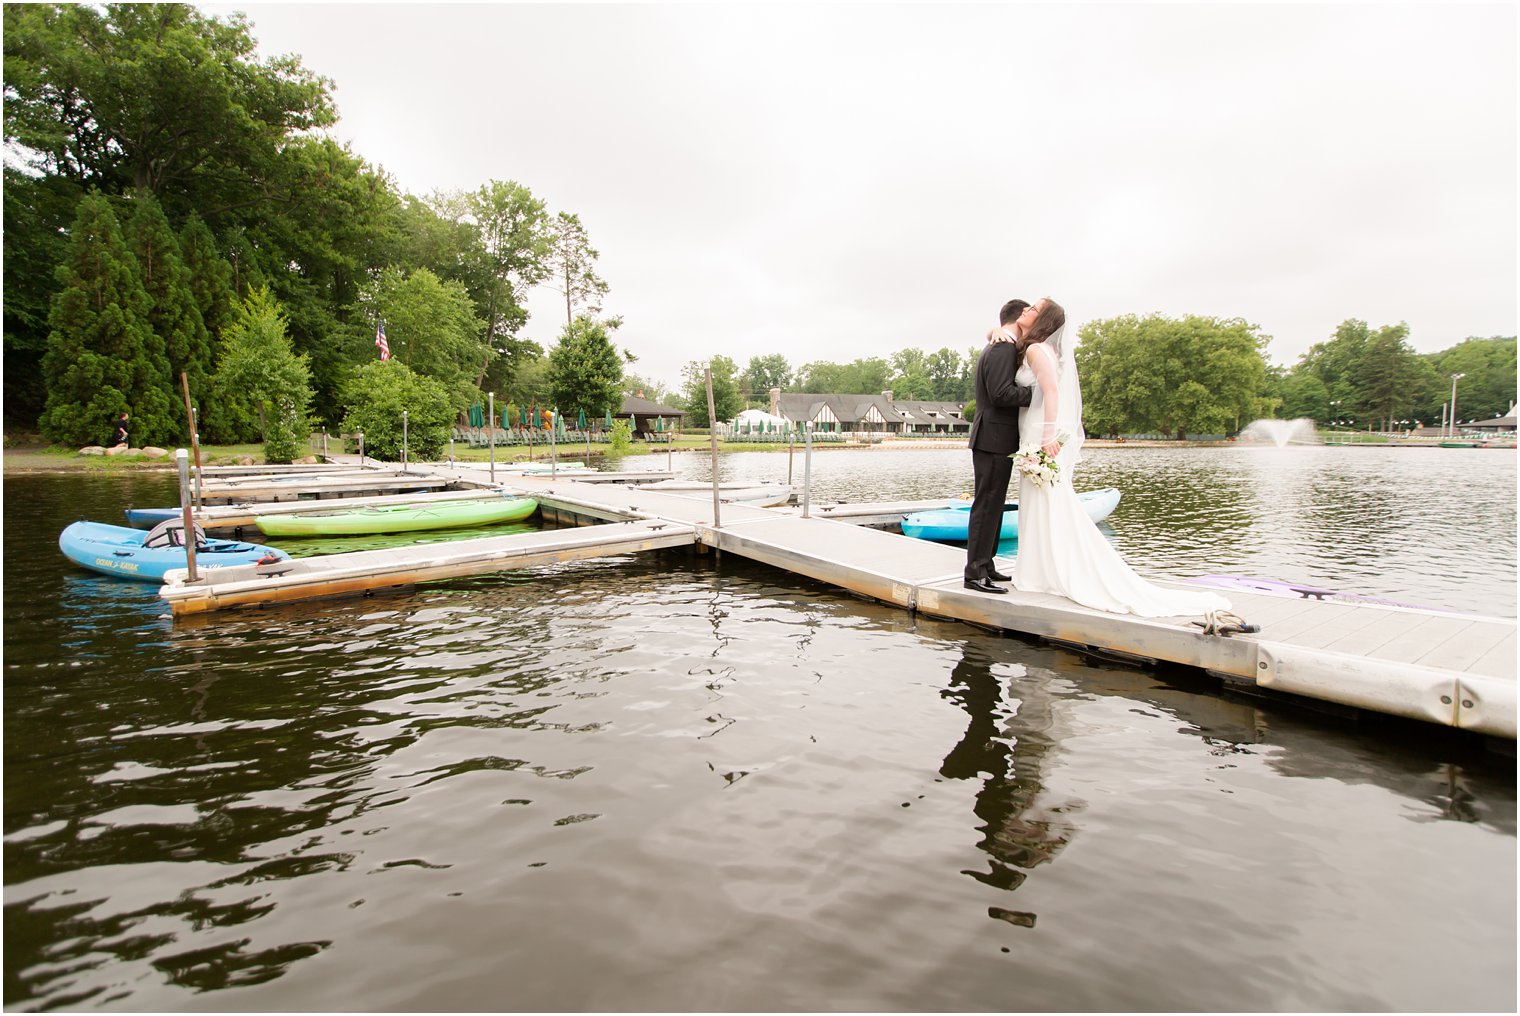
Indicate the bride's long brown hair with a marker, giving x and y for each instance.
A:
(1052, 317)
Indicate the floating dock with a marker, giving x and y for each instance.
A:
(1450, 669)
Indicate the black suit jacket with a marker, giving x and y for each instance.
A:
(996, 426)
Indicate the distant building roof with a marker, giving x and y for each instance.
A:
(1498, 423)
(935, 413)
(845, 409)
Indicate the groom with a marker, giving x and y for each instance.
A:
(994, 437)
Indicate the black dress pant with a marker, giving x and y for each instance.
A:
(991, 472)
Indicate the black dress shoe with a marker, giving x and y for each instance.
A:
(998, 576)
(984, 586)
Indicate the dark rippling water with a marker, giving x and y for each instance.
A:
(652, 782)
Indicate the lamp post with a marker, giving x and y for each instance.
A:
(1454, 378)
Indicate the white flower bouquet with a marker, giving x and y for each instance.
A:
(1038, 466)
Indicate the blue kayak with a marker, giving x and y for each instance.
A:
(948, 525)
(146, 556)
(147, 518)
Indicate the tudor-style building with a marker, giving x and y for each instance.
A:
(869, 414)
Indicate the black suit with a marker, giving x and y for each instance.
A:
(994, 437)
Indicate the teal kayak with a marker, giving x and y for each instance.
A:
(400, 518)
(146, 556)
(948, 525)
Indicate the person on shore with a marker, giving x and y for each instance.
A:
(1061, 550)
(994, 437)
(119, 435)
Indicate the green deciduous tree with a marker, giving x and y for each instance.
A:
(949, 377)
(260, 377)
(727, 400)
(868, 376)
(763, 374)
(585, 369)
(374, 397)
(156, 97)
(38, 211)
(431, 327)
(1487, 387)
(102, 355)
(647, 388)
(1178, 376)
(513, 250)
(1304, 395)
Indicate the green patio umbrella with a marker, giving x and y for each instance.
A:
(506, 418)
(659, 424)
(580, 419)
(609, 419)
(477, 416)
(522, 414)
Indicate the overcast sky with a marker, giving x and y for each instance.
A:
(843, 181)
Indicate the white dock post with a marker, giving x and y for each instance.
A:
(807, 470)
(712, 433)
(403, 440)
(491, 429)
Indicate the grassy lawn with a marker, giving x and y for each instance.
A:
(24, 457)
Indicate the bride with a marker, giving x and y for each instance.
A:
(1061, 550)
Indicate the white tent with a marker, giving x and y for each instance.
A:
(755, 419)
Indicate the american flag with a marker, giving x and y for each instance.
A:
(385, 347)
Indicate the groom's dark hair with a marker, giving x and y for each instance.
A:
(1051, 318)
(1011, 311)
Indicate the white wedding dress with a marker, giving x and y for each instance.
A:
(1061, 550)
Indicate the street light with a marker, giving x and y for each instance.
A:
(1454, 378)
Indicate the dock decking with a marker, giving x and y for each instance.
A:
(1449, 669)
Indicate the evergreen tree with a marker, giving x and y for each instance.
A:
(173, 312)
(102, 356)
(1389, 377)
(247, 276)
(210, 276)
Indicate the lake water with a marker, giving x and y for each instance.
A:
(657, 782)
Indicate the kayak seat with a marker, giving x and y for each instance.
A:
(171, 533)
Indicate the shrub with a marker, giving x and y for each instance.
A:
(377, 393)
(621, 436)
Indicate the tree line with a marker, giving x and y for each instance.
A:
(1171, 376)
(169, 199)
(176, 217)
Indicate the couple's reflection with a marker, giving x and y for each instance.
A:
(1006, 746)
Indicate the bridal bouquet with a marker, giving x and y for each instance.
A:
(1038, 466)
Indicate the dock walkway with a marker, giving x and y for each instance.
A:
(1449, 669)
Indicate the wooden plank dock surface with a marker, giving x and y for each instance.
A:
(1451, 669)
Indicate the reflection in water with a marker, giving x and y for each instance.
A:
(1006, 744)
(653, 781)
